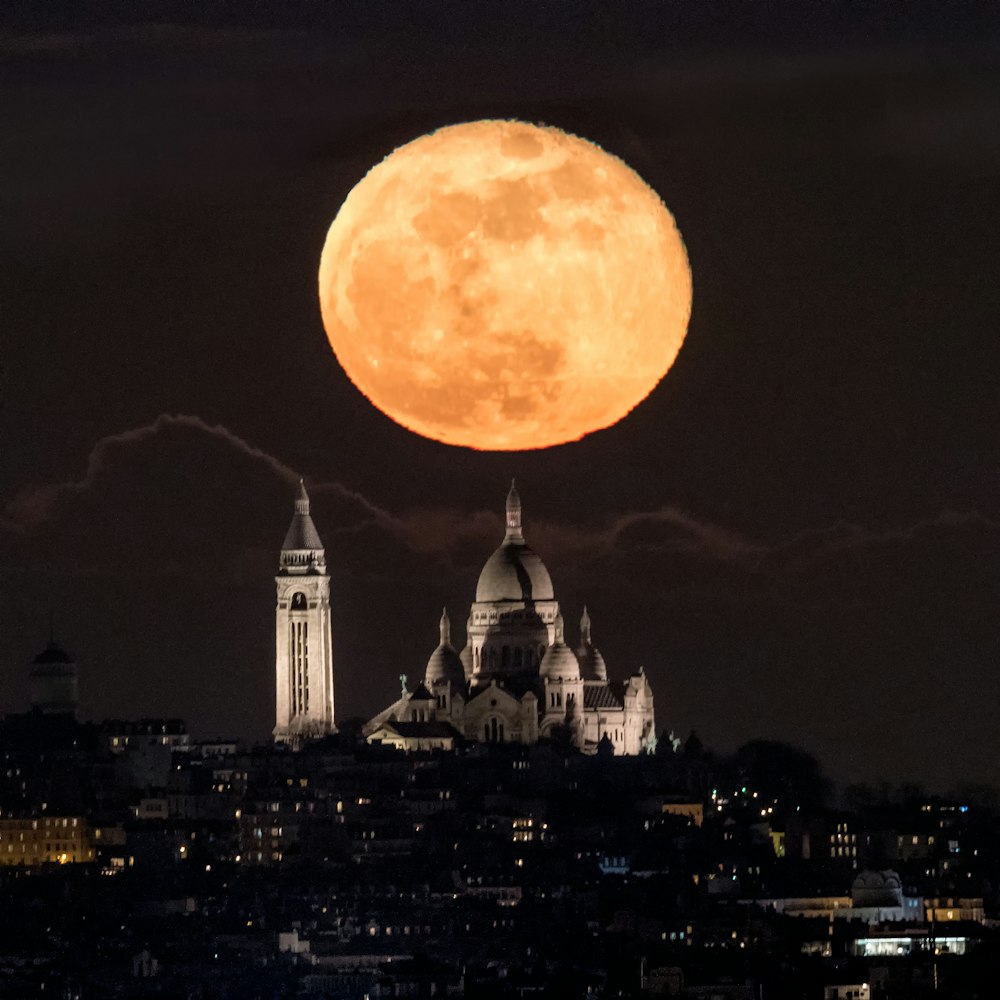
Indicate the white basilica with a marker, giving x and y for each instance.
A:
(517, 680)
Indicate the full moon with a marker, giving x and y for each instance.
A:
(504, 286)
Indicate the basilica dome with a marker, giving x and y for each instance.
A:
(514, 572)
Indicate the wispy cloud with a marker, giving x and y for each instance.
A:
(458, 538)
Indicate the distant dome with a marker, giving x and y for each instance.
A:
(559, 662)
(514, 573)
(53, 653)
(592, 665)
(53, 680)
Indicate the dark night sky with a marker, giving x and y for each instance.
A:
(797, 533)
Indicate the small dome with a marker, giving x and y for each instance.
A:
(53, 653)
(466, 657)
(592, 665)
(514, 573)
(444, 663)
(560, 663)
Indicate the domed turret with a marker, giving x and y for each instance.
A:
(559, 662)
(514, 572)
(444, 663)
(592, 664)
(54, 681)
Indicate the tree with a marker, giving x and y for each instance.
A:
(781, 773)
(350, 731)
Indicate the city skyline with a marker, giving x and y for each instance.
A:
(795, 535)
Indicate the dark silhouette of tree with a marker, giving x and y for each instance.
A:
(782, 773)
(693, 746)
(350, 729)
(561, 737)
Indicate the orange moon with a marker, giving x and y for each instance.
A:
(504, 286)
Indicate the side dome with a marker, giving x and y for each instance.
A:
(592, 662)
(444, 663)
(592, 665)
(559, 662)
(514, 572)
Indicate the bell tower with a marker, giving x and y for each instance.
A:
(303, 662)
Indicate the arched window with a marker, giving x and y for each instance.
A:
(298, 601)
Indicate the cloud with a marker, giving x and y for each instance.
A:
(34, 505)
(152, 481)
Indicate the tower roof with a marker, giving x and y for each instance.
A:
(302, 537)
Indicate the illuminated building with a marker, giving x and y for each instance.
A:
(45, 840)
(517, 680)
(303, 654)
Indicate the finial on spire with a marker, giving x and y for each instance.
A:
(560, 627)
(585, 626)
(302, 501)
(445, 628)
(513, 512)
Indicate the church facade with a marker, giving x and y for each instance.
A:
(516, 679)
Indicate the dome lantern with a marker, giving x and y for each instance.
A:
(514, 514)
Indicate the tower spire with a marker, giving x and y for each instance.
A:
(585, 626)
(445, 628)
(302, 500)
